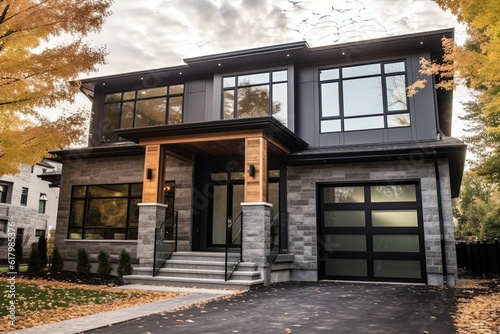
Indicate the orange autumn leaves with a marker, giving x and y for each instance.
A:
(41, 302)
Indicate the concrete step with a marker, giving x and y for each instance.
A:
(192, 282)
(194, 268)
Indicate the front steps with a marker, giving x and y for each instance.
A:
(197, 269)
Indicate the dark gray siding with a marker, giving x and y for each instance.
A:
(422, 109)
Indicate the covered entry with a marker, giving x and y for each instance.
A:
(371, 232)
(231, 166)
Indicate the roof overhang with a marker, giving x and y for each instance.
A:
(409, 152)
(105, 151)
(220, 137)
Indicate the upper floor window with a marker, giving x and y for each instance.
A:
(364, 97)
(255, 95)
(24, 196)
(4, 189)
(42, 203)
(144, 107)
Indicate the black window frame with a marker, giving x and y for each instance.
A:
(271, 83)
(4, 192)
(383, 74)
(129, 230)
(136, 98)
(24, 196)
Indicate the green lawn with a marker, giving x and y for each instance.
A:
(34, 297)
(4, 269)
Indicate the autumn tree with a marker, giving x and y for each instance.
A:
(478, 209)
(477, 65)
(43, 48)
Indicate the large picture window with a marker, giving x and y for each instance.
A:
(139, 108)
(256, 95)
(364, 97)
(105, 211)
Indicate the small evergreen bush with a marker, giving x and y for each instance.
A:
(42, 249)
(34, 260)
(124, 264)
(82, 262)
(19, 253)
(57, 261)
(103, 266)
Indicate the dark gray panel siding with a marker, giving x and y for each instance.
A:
(422, 108)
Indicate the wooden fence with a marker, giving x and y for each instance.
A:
(480, 257)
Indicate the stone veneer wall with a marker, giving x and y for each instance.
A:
(127, 169)
(26, 218)
(182, 173)
(302, 220)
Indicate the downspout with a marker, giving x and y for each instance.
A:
(441, 220)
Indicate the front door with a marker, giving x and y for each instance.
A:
(225, 206)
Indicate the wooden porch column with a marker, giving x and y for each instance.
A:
(152, 190)
(256, 156)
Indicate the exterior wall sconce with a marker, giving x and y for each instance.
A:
(149, 173)
(251, 170)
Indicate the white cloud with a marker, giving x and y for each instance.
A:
(144, 34)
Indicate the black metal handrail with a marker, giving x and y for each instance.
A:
(165, 241)
(276, 245)
(234, 245)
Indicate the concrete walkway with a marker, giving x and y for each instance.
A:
(104, 319)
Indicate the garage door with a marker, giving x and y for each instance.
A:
(371, 232)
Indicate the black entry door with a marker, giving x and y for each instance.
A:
(225, 205)
(371, 232)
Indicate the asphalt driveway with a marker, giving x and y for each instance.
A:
(324, 307)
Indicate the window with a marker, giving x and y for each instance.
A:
(4, 189)
(24, 196)
(144, 107)
(39, 233)
(106, 211)
(3, 232)
(364, 97)
(256, 95)
(42, 203)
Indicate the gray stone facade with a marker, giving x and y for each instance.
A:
(127, 169)
(302, 204)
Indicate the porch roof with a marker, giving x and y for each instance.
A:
(219, 137)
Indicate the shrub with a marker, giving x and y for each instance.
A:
(124, 264)
(82, 262)
(34, 260)
(42, 249)
(103, 267)
(19, 253)
(57, 261)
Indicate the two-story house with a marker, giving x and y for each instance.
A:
(313, 153)
(28, 205)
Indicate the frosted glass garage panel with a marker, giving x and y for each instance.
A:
(394, 218)
(345, 243)
(344, 195)
(393, 193)
(397, 268)
(344, 219)
(346, 267)
(396, 243)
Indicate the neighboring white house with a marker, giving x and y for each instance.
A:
(29, 202)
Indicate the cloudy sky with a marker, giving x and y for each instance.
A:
(145, 34)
